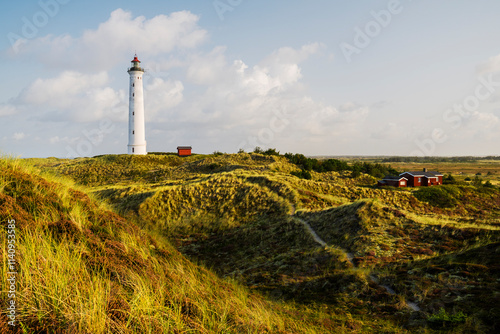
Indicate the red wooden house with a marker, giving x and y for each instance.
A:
(184, 151)
(413, 179)
(423, 178)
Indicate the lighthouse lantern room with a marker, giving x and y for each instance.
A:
(136, 126)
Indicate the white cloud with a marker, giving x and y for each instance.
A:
(117, 38)
(19, 136)
(161, 95)
(7, 109)
(491, 65)
(278, 71)
(208, 69)
(349, 106)
(390, 130)
(55, 140)
(482, 123)
(60, 91)
(281, 68)
(73, 96)
(288, 55)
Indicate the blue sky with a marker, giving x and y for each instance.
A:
(319, 77)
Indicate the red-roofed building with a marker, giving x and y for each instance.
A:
(423, 178)
(413, 179)
(184, 151)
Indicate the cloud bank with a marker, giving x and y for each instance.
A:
(196, 94)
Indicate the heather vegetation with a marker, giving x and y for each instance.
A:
(222, 243)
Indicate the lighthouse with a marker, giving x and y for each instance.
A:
(136, 127)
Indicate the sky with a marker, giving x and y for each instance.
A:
(336, 77)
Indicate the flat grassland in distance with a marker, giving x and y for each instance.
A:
(468, 168)
(228, 243)
(487, 169)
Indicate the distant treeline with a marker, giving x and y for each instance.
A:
(438, 159)
(331, 165)
(334, 165)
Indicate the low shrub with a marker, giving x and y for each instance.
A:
(442, 319)
(303, 174)
(445, 196)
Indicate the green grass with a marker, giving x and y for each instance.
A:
(219, 202)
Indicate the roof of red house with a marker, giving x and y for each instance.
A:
(184, 147)
(421, 173)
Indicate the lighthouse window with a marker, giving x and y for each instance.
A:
(133, 85)
(133, 132)
(133, 94)
(132, 150)
(133, 113)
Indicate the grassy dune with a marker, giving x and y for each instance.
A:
(239, 216)
(220, 202)
(373, 231)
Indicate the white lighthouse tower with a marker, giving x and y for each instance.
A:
(136, 127)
